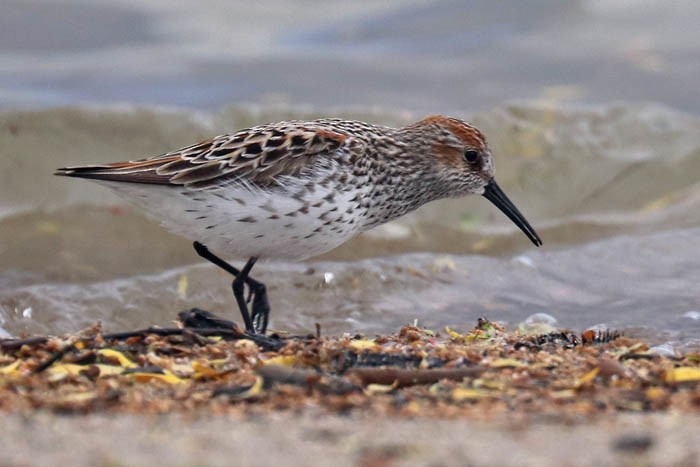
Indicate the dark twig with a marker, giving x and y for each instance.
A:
(267, 343)
(9, 345)
(54, 358)
(402, 377)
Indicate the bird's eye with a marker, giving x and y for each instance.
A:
(471, 156)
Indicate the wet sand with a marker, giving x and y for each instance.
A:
(310, 440)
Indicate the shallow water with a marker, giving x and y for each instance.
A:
(613, 191)
(422, 55)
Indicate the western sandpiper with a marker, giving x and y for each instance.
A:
(296, 189)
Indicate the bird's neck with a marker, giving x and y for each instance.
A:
(402, 180)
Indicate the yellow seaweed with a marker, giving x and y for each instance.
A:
(12, 369)
(284, 360)
(587, 378)
(506, 363)
(122, 359)
(682, 374)
(467, 394)
(165, 377)
(363, 344)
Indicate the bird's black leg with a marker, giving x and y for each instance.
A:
(261, 306)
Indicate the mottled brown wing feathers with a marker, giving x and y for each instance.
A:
(257, 155)
(144, 171)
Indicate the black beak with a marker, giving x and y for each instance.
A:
(493, 193)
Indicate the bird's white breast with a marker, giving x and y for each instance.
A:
(300, 220)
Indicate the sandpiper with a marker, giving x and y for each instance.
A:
(296, 189)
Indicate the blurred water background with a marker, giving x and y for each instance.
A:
(591, 107)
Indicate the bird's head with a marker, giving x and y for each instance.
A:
(463, 163)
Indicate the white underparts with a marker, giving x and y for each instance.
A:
(304, 217)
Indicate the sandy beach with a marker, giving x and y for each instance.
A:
(413, 398)
(308, 439)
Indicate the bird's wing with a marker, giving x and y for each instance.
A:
(256, 155)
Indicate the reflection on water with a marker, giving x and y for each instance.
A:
(613, 191)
